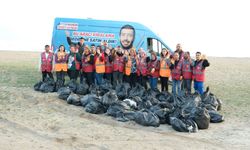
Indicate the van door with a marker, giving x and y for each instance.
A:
(155, 45)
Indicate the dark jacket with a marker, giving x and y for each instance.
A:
(204, 64)
(81, 46)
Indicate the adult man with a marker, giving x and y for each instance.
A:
(179, 51)
(187, 65)
(80, 46)
(176, 74)
(199, 72)
(127, 36)
(74, 60)
(46, 63)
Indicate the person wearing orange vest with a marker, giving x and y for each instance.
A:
(142, 68)
(164, 69)
(187, 65)
(153, 70)
(131, 62)
(46, 63)
(74, 61)
(118, 66)
(99, 66)
(61, 67)
(199, 72)
(176, 74)
(88, 65)
(108, 65)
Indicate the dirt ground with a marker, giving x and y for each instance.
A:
(33, 120)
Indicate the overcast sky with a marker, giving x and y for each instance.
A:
(214, 27)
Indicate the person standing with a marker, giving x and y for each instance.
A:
(179, 51)
(46, 63)
(142, 68)
(79, 49)
(153, 71)
(99, 66)
(164, 69)
(187, 65)
(61, 59)
(131, 62)
(108, 65)
(176, 74)
(74, 60)
(118, 67)
(199, 72)
(88, 65)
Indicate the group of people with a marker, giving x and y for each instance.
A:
(95, 63)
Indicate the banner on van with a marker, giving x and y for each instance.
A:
(95, 37)
(67, 26)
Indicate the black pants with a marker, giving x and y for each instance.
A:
(164, 83)
(81, 74)
(143, 81)
(133, 79)
(117, 78)
(73, 74)
(89, 77)
(60, 75)
(45, 73)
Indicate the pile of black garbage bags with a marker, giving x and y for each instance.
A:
(186, 113)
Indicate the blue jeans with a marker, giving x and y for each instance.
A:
(153, 82)
(176, 84)
(99, 77)
(198, 86)
(187, 85)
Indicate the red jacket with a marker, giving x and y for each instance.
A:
(176, 71)
(108, 65)
(186, 69)
(87, 65)
(46, 64)
(142, 67)
(199, 72)
(156, 65)
(118, 63)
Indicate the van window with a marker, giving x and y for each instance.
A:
(155, 45)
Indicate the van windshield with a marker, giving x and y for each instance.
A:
(155, 45)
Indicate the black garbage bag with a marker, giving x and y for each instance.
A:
(190, 103)
(87, 98)
(146, 118)
(215, 117)
(72, 85)
(59, 84)
(201, 117)
(122, 90)
(105, 87)
(162, 110)
(126, 116)
(82, 89)
(63, 93)
(165, 97)
(47, 86)
(95, 89)
(144, 104)
(95, 107)
(138, 90)
(209, 100)
(219, 104)
(74, 99)
(179, 101)
(117, 109)
(183, 125)
(38, 85)
(109, 98)
(151, 93)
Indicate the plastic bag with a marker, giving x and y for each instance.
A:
(147, 118)
(74, 99)
(183, 125)
(63, 93)
(109, 98)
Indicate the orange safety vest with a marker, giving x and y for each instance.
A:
(99, 66)
(128, 66)
(62, 66)
(164, 68)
